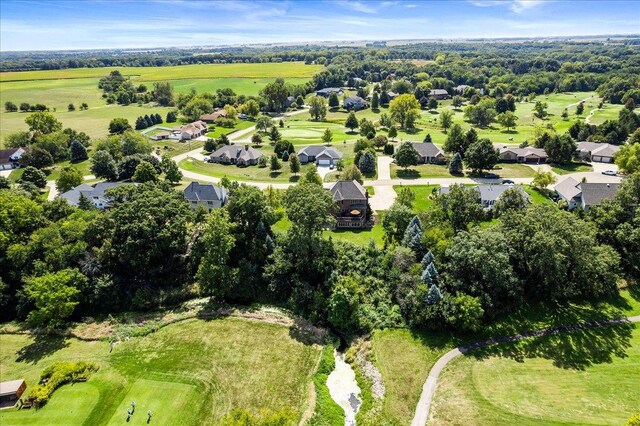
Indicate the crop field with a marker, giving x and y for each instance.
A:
(58, 88)
(239, 364)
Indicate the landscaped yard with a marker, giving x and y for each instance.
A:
(422, 193)
(581, 378)
(54, 171)
(564, 169)
(250, 173)
(238, 363)
(422, 171)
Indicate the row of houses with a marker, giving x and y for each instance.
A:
(248, 156)
(350, 197)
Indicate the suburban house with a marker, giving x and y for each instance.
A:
(321, 155)
(490, 193)
(235, 154)
(439, 94)
(11, 391)
(354, 103)
(9, 158)
(598, 152)
(460, 88)
(326, 92)
(352, 203)
(206, 195)
(211, 118)
(290, 101)
(429, 152)
(523, 155)
(392, 95)
(185, 132)
(95, 194)
(584, 194)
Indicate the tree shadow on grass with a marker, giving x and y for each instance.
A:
(306, 333)
(42, 346)
(408, 174)
(568, 347)
(294, 178)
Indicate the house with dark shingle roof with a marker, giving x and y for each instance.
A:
(9, 158)
(321, 155)
(352, 202)
(429, 152)
(438, 94)
(235, 154)
(354, 103)
(206, 195)
(584, 194)
(490, 193)
(327, 91)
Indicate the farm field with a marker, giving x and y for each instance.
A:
(583, 378)
(239, 364)
(58, 88)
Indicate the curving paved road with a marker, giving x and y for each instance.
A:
(428, 390)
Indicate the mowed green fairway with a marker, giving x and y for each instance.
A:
(58, 88)
(530, 390)
(189, 373)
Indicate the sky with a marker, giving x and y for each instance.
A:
(102, 24)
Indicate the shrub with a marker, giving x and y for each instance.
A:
(57, 375)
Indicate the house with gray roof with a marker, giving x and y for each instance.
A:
(95, 194)
(460, 88)
(489, 193)
(528, 154)
(327, 91)
(205, 195)
(321, 155)
(438, 94)
(429, 153)
(352, 203)
(598, 152)
(584, 194)
(354, 103)
(235, 154)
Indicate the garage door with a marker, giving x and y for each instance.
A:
(324, 162)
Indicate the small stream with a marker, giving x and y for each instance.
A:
(344, 389)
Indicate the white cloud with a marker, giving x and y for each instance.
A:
(516, 6)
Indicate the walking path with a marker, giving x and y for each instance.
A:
(428, 390)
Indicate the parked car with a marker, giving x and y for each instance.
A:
(491, 176)
(609, 172)
(508, 182)
(243, 116)
(331, 167)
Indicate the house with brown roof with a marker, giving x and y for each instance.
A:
(523, 155)
(352, 203)
(598, 152)
(9, 158)
(189, 131)
(438, 94)
(236, 154)
(211, 118)
(429, 153)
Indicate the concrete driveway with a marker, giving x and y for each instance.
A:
(5, 173)
(324, 170)
(384, 167)
(383, 198)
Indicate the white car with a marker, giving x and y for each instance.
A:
(609, 172)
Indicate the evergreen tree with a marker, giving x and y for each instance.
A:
(158, 118)
(427, 138)
(367, 163)
(334, 102)
(77, 151)
(172, 116)
(375, 101)
(427, 259)
(274, 134)
(413, 236)
(285, 155)
(433, 295)
(141, 123)
(433, 272)
(455, 165)
(294, 163)
(426, 278)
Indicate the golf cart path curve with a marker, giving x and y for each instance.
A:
(428, 390)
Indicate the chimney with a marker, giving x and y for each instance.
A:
(246, 147)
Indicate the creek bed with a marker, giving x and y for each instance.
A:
(344, 389)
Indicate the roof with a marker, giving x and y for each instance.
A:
(568, 188)
(490, 192)
(354, 99)
(73, 195)
(601, 149)
(525, 152)
(594, 193)
(434, 92)
(460, 87)
(6, 154)
(427, 149)
(213, 116)
(329, 90)
(236, 151)
(204, 192)
(318, 150)
(10, 387)
(348, 190)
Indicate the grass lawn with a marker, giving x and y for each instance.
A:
(239, 364)
(507, 170)
(53, 173)
(529, 384)
(565, 169)
(608, 112)
(536, 196)
(422, 192)
(250, 173)
(512, 170)
(358, 236)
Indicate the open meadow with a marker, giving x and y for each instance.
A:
(190, 373)
(58, 88)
